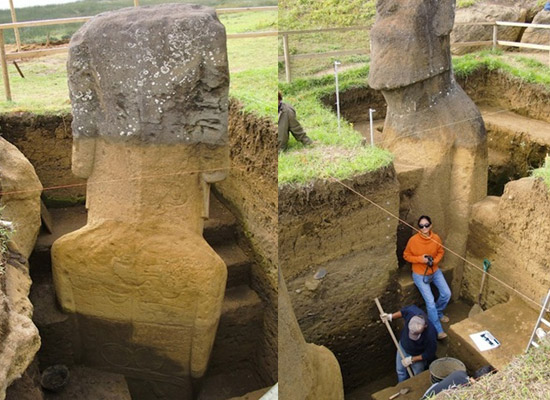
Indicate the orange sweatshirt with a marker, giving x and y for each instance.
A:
(419, 245)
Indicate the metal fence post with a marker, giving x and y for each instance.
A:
(5, 75)
(336, 64)
(287, 58)
(495, 29)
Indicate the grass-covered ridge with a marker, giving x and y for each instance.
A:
(525, 378)
(339, 155)
(343, 155)
(528, 70)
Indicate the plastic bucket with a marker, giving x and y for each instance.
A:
(443, 367)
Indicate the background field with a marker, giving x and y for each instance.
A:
(252, 61)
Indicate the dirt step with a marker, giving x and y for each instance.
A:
(238, 264)
(232, 384)
(91, 384)
(417, 387)
(57, 330)
(409, 292)
(508, 121)
(221, 227)
(239, 330)
(511, 323)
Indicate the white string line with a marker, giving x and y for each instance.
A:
(445, 247)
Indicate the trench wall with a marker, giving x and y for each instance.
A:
(251, 192)
(511, 231)
(324, 225)
(46, 141)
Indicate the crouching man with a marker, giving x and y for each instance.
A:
(418, 341)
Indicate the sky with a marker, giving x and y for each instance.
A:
(5, 4)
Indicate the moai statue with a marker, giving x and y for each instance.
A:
(306, 371)
(431, 124)
(149, 90)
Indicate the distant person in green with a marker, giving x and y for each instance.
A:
(289, 123)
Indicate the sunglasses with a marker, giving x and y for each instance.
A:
(424, 226)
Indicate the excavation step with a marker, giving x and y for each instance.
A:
(91, 384)
(57, 330)
(221, 226)
(235, 383)
(417, 386)
(255, 395)
(238, 333)
(238, 264)
(511, 323)
(508, 121)
(409, 292)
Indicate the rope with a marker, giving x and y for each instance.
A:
(445, 247)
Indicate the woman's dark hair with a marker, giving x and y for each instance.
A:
(424, 217)
(487, 369)
(280, 96)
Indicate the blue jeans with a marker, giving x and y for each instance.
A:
(402, 373)
(434, 308)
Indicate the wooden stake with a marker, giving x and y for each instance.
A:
(409, 370)
(5, 74)
(15, 30)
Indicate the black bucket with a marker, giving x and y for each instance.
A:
(443, 367)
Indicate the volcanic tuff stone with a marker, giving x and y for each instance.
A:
(412, 34)
(307, 371)
(537, 35)
(149, 90)
(159, 74)
(431, 124)
(18, 336)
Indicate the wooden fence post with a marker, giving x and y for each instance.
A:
(15, 30)
(5, 75)
(136, 3)
(495, 29)
(287, 58)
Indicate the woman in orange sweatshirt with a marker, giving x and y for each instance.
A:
(424, 251)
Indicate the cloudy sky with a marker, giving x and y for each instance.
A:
(5, 4)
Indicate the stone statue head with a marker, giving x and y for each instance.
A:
(151, 74)
(410, 41)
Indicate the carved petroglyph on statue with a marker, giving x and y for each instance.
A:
(149, 89)
(431, 124)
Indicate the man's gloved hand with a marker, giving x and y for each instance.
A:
(407, 361)
(386, 317)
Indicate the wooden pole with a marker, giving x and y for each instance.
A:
(136, 3)
(15, 30)
(495, 29)
(5, 75)
(409, 370)
(287, 58)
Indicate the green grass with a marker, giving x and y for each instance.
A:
(525, 378)
(465, 3)
(529, 71)
(543, 172)
(251, 62)
(90, 8)
(339, 155)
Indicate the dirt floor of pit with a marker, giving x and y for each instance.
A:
(457, 311)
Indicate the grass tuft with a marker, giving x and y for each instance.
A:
(543, 172)
(340, 155)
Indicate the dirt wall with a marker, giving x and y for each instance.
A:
(323, 225)
(46, 141)
(498, 89)
(251, 193)
(512, 232)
